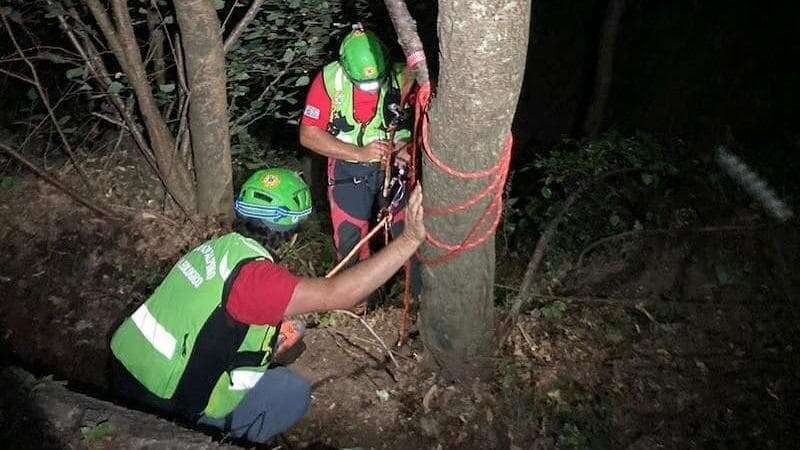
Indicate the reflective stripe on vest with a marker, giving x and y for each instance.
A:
(185, 313)
(244, 379)
(154, 332)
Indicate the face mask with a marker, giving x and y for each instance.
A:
(369, 86)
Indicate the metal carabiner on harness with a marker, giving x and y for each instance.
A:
(398, 186)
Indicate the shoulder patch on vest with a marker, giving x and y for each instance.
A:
(311, 111)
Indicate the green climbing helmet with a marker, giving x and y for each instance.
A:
(362, 55)
(276, 197)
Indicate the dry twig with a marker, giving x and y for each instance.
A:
(374, 334)
(527, 338)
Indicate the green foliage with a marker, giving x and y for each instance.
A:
(553, 311)
(571, 438)
(7, 182)
(97, 432)
(272, 63)
(609, 208)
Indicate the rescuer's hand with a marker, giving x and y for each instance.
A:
(374, 151)
(415, 225)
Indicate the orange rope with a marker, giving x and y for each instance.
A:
(484, 227)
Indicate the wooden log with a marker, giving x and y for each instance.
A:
(69, 420)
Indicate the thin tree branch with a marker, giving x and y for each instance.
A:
(171, 43)
(94, 63)
(183, 138)
(155, 47)
(42, 122)
(50, 179)
(110, 33)
(249, 116)
(235, 5)
(176, 178)
(110, 120)
(46, 102)
(17, 76)
(243, 23)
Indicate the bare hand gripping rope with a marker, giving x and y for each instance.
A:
(753, 184)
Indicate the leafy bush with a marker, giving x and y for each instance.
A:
(607, 208)
(272, 64)
(268, 69)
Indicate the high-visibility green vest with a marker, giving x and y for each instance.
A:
(345, 127)
(183, 346)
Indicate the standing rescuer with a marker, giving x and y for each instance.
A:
(352, 105)
(202, 347)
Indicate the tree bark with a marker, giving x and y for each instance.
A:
(208, 106)
(605, 68)
(483, 48)
(73, 420)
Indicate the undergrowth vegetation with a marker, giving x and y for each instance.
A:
(648, 190)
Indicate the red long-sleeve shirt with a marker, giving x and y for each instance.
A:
(260, 293)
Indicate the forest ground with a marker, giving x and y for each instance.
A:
(680, 340)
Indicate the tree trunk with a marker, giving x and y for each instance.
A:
(605, 68)
(122, 41)
(483, 49)
(208, 117)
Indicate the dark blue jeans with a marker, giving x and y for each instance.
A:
(279, 399)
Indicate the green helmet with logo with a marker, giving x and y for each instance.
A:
(278, 198)
(362, 55)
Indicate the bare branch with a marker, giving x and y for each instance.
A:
(99, 72)
(109, 32)
(48, 178)
(176, 178)
(18, 76)
(46, 102)
(230, 41)
(183, 138)
(172, 44)
(155, 50)
(235, 5)
(32, 132)
(110, 120)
